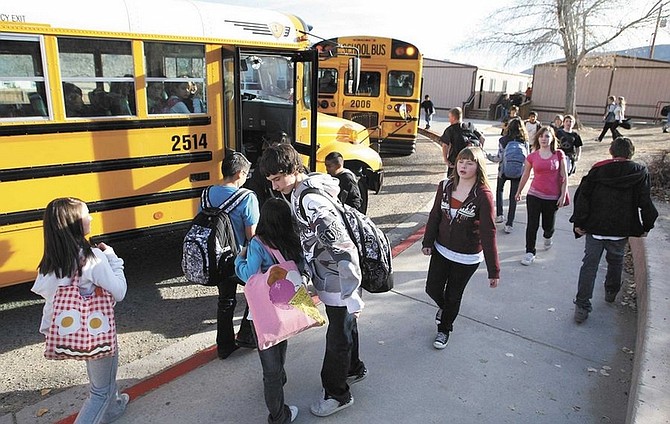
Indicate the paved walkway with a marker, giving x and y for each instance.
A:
(515, 356)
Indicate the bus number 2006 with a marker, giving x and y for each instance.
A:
(189, 142)
(361, 103)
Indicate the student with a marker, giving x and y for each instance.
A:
(511, 114)
(275, 231)
(556, 124)
(532, 125)
(570, 142)
(67, 252)
(609, 203)
(547, 192)
(516, 132)
(350, 194)
(244, 218)
(610, 120)
(460, 234)
(428, 110)
(182, 98)
(334, 266)
(452, 140)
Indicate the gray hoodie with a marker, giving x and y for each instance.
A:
(331, 254)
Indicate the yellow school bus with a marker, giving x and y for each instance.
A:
(389, 88)
(132, 105)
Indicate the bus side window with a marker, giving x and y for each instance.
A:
(328, 80)
(97, 77)
(176, 76)
(22, 90)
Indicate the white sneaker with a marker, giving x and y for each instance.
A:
(325, 407)
(509, 229)
(500, 219)
(294, 412)
(528, 259)
(548, 242)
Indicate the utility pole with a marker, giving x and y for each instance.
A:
(653, 39)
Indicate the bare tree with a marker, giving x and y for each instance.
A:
(533, 29)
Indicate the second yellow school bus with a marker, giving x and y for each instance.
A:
(390, 80)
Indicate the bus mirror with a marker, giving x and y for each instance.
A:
(402, 110)
(354, 75)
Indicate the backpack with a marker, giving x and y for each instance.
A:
(469, 137)
(374, 249)
(665, 110)
(210, 248)
(514, 156)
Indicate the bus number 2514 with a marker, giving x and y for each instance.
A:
(361, 104)
(189, 142)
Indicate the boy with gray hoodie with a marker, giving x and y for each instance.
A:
(334, 266)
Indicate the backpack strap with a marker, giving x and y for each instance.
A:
(275, 253)
(204, 198)
(234, 200)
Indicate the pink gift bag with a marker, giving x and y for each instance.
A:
(279, 303)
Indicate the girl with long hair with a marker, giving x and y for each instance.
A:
(547, 192)
(460, 234)
(610, 119)
(67, 252)
(275, 230)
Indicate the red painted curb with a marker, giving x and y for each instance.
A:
(202, 357)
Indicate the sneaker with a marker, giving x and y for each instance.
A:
(427, 127)
(226, 352)
(438, 316)
(508, 229)
(528, 259)
(548, 242)
(581, 314)
(359, 376)
(294, 412)
(122, 401)
(441, 340)
(329, 406)
(610, 297)
(598, 139)
(500, 219)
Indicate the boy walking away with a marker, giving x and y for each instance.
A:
(458, 136)
(334, 266)
(609, 202)
(428, 110)
(244, 217)
(570, 142)
(350, 194)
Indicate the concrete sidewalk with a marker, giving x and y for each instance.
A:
(515, 356)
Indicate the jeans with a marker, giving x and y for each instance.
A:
(274, 379)
(593, 251)
(612, 127)
(342, 356)
(537, 207)
(428, 116)
(103, 403)
(225, 333)
(445, 284)
(514, 186)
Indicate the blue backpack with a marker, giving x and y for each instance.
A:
(514, 156)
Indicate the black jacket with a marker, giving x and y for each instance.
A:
(614, 199)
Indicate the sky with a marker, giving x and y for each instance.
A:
(428, 24)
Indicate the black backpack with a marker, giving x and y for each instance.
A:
(469, 137)
(210, 248)
(374, 249)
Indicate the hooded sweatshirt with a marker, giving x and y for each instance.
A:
(611, 199)
(331, 254)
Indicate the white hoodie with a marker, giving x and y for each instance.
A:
(105, 269)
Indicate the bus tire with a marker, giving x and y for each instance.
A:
(363, 187)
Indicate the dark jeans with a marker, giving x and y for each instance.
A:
(274, 379)
(342, 357)
(514, 186)
(537, 207)
(593, 251)
(612, 126)
(445, 284)
(225, 333)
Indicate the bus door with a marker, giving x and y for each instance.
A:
(274, 102)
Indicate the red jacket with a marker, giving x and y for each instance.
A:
(470, 231)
